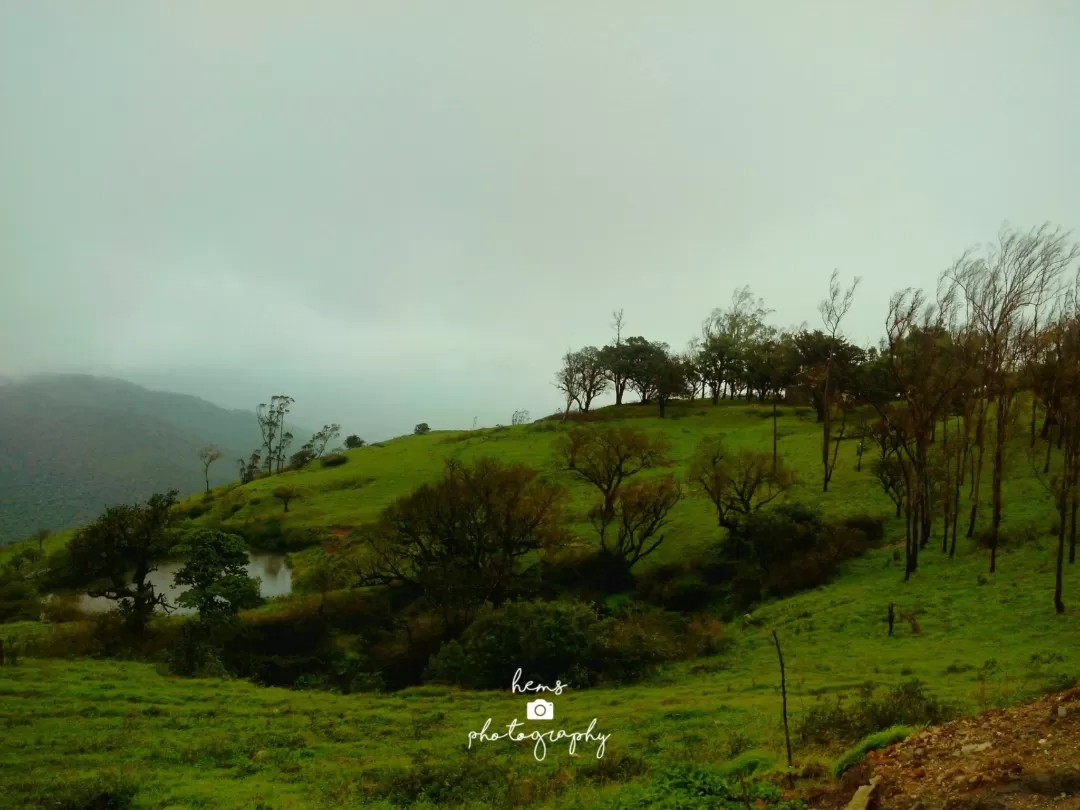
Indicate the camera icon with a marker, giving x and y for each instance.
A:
(539, 709)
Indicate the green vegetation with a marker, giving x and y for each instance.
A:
(640, 561)
(871, 742)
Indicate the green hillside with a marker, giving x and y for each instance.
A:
(84, 728)
(72, 444)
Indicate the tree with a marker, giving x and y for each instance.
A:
(280, 450)
(421, 429)
(353, 442)
(324, 437)
(641, 511)
(271, 419)
(286, 494)
(249, 469)
(119, 550)
(208, 455)
(568, 379)
(643, 361)
(592, 380)
(217, 575)
(465, 540)
(832, 309)
(999, 289)
(1062, 482)
(301, 457)
(920, 360)
(606, 457)
(737, 483)
(40, 535)
(670, 380)
(613, 359)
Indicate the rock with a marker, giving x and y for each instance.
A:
(861, 799)
(974, 749)
(1062, 711)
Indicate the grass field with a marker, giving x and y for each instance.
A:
(71, 724)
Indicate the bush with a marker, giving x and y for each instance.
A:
(686, 786)
(421, 429)
(786, 549)
(549, 641)
(1010, 537)
(196, 510)
(872, 742)
(570, 642)
(906, 705)
(334, 460)
(62, 609)
(19, 601)
(872, 526)
(684, 586)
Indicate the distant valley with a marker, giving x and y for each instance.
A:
(72, 444)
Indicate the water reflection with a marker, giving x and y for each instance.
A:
(276, 579)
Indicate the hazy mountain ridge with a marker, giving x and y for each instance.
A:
(72, 444)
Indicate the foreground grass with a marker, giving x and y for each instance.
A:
(229, 744)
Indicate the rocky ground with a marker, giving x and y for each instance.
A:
(1024, 757)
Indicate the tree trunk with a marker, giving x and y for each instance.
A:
(1000, 436)
(783, 693)
(1059, 604)
(774, 434)
(1072, 531)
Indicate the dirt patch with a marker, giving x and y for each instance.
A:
(1024, 757)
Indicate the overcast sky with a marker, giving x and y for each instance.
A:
(401, 211)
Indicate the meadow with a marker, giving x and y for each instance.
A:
(74, 729)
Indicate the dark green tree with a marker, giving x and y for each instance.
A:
(216, 573)
(120, 549)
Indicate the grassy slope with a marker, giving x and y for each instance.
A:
(322, 750)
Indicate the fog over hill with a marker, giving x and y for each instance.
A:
(72, 444)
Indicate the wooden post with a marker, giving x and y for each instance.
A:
(1, 652)
(892, 616)
(783, 693)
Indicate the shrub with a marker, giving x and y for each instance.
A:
(906, 705)
(334, 460)
(570, 642)
(786, 549)
(550, 641)
(62, 609)
(96, 792)
(421, 429)
(872, 742)
(1010, 537)
(196, 510)
(19, 601)
(682, 586)
(872, 526)
(701, 786)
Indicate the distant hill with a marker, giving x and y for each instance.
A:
(72, 444)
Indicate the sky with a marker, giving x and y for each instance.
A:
(403, 211)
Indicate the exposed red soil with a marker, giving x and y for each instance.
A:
(1024, 757)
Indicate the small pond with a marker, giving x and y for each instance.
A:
(270, 567)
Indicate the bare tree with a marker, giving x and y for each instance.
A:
(568, 379)
(641, 511)
(208, 455)
(324, 437)
(739, 482)
(592, 376)
(606, 457)
(833, 310)
(1000, 289)
(271, 420)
